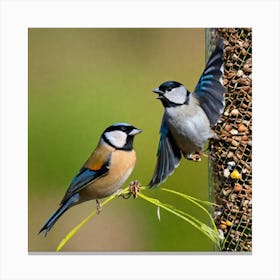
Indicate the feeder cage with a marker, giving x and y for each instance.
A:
(230, 157)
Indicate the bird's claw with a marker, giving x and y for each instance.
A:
(194, 157)
(98, 207)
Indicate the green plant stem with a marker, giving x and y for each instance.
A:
(203, 228)
(80, 225)
(195, 201)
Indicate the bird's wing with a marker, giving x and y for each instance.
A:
(168, 156)
(209, 90)
(89, 173)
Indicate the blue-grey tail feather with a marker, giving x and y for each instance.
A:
(168, 159)
(62, 209)
(209, 90)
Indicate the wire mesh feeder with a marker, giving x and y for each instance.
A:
(230, 161)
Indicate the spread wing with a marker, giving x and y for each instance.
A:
(209, 89)
(168, 156)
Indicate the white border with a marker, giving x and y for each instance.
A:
(17, 16)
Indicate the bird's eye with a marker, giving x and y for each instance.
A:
(122, 128)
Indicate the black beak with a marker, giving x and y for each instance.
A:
(159, 92)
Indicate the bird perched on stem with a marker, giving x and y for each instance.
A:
(103, 173)
(188, 117)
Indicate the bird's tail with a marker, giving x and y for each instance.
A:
(63, 208)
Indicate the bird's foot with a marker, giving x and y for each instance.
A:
(194, 157)
(98, 207)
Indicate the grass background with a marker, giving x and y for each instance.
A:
(80, 82)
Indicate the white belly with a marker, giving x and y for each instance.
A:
(190, 128)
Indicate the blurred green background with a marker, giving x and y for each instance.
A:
(80, 82)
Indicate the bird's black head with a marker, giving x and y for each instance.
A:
(169, 85)
(120, 136)
(172, 93)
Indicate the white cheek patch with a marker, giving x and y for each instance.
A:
(116, 138)
(177, 95)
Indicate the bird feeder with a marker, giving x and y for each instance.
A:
(230, 156)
